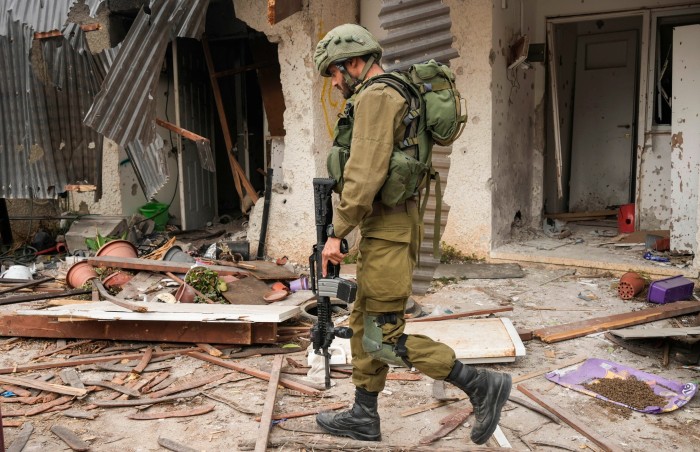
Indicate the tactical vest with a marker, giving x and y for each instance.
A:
(406, 172)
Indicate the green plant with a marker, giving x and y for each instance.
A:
(96, 243)
(351, 257)
(206, 281)
(451, 255)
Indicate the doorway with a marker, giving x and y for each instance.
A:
(597, 64)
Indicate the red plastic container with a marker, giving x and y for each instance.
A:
(625, 218)
(671, 289)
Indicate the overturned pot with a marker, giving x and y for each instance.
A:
(631, 283)
(117, 279)
(118, 248)
(80, 273)
(185, 294)
(176, 254)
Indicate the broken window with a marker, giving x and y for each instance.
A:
(663, 88)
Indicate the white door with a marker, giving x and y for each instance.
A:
(603, 124)
(685, 138)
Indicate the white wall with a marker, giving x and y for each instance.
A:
(311, 109)
(515, 162)
(469, 186)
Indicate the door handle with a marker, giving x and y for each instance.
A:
(624, 126)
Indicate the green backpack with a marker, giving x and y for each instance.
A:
(435, 115)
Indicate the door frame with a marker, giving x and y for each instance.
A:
(643, 74)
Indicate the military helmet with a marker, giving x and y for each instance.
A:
(343, 42)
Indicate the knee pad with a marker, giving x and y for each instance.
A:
(373, 343)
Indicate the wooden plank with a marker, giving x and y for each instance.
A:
(22, 438)
(239, 176)
(70, 438)
(174, 445)
(570, 419)
(581, 215)
(51, 351)
(269, 407)
(181, 312)
(254, 372)
(204, 409)
(180, 131)
(144, 361)
(447, 424)
(26, 285)
(43, 386)
(71, 378)
(134, 263)
(311, 412)
(113, 387)
(585, 327)
(144, 401)
(189, 332)
(553, 91)
(80, 362)
(192, 384)
(537, 373)
(213, 351)
(80, 188)
(42, 296)
(460, 315)
(278, 10)
(656, 332)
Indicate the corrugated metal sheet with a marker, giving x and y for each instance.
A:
(43, 143)
(27, 165)
(124, 110)
(417, 30)
(40, 15)
(150, 164)
(73, 86)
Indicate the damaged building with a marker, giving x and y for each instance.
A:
(574, 107)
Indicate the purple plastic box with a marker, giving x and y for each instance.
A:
(671, 289)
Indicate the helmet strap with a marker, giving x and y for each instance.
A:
(354, 83)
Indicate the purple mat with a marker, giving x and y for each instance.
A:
(677, 394)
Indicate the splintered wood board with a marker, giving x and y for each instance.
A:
(595, 325)
(474, 340)
(181, 312)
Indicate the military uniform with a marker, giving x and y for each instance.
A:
(390, 241)
(362, 161)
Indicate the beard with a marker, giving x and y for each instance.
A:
(346, 91)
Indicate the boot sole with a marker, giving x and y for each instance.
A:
(502, 398)
(348, 434)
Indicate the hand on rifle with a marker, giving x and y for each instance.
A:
(331, 252)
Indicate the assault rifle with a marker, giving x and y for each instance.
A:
(332, 285)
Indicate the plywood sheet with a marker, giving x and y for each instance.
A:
(474, 340)
(246, 291)
(181, 312)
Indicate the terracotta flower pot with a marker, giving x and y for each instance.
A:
(631, 284)
(185, 294)
(117, 279)
(80, 273)
(118, 248)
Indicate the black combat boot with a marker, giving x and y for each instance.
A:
(487, 391)
(361, 422)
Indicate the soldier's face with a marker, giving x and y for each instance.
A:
(338, 82)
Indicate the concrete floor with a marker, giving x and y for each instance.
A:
(545, 296)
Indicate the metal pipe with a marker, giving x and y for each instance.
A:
(266, 214)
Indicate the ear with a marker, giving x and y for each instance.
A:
(355, 63)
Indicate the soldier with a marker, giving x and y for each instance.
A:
(367, 133)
